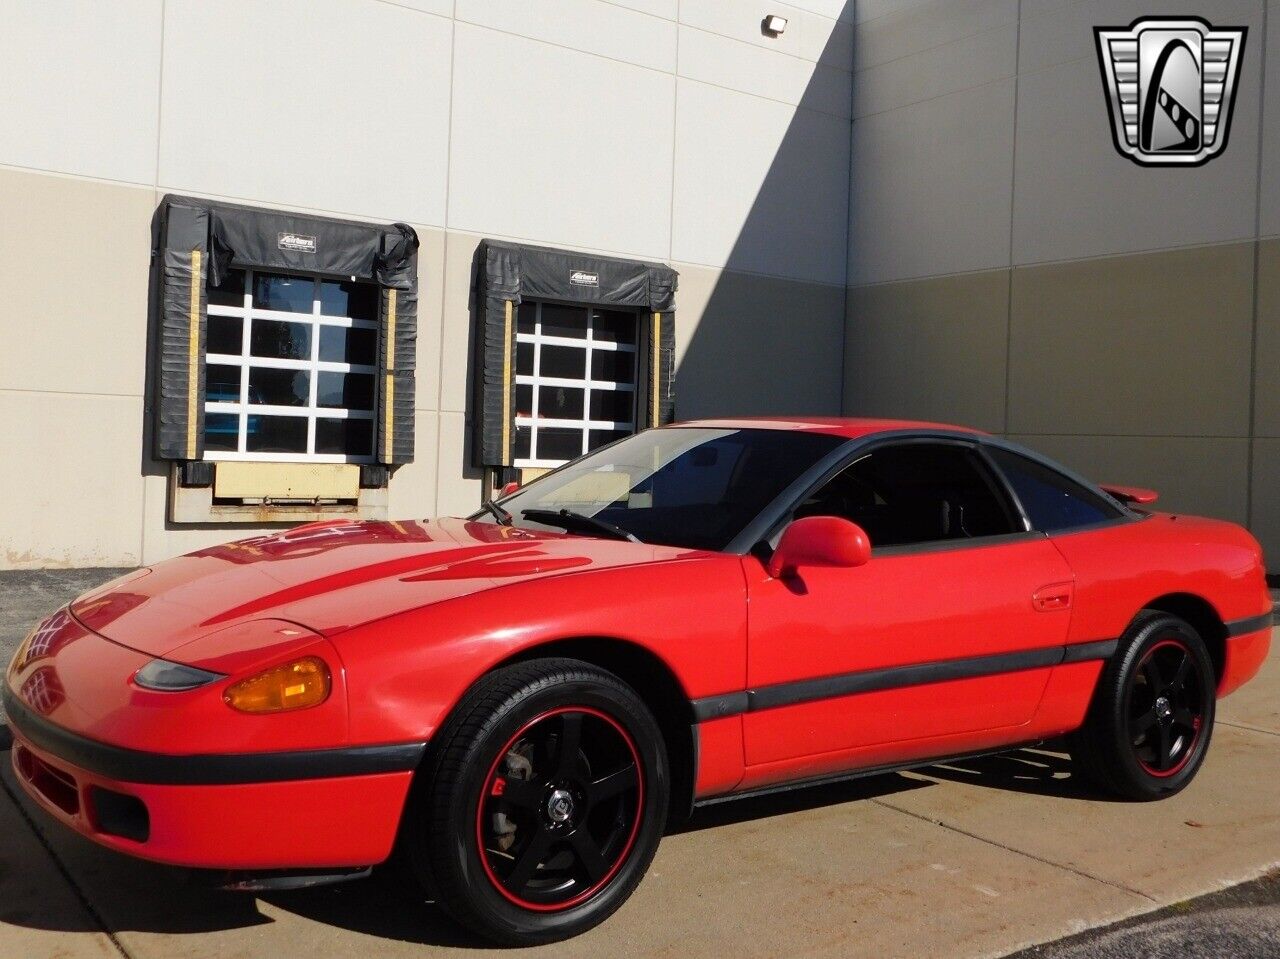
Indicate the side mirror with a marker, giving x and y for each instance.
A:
(509, 489)
(819, 541)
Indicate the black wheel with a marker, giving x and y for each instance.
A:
(1151, 719)
(543, 802)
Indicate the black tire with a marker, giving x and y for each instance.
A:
(487, 802)
(1151, 719)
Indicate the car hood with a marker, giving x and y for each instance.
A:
(330, 577)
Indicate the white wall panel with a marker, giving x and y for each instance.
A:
(593, 26)
(559, 147)
(968, 62)
(808, 36)
(926, 26)
(325, 104)
(931, 187)
(78, 87)
(759, 186)
(724, 62)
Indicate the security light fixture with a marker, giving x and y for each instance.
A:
(773, 26)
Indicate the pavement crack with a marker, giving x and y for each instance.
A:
(65, 873)
(1017, 852)
(1246, 726)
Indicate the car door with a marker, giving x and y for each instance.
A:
(951, 628)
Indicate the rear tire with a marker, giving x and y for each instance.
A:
(542, 803)
(1151, 719)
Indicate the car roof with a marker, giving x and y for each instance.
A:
(846, 426)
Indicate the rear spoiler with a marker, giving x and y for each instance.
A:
(1134, 495)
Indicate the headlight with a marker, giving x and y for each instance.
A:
(166, 677)
(296, 685)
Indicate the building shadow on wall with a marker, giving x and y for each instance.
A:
(766, 344)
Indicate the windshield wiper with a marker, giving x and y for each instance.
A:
(497, 512)
(568, 518)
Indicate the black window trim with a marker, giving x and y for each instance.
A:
(759, 534)
(1125, 514)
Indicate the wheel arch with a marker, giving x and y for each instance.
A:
(1203, 617)
(657, 685)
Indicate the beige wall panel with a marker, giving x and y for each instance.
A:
(759, 186)
(458, 484)
(162, 541)
(931, 187)
(457, 332)
(1265, 521)
(344, 108)
(413, 485)
(586, 145)
(83, 330)
(1266, 386)
(78, 87)
(1207, 477)
(1155, 344)
(929, 349)
(1076, 196)
(431, 274)
(927, 26)
(70, 480)
(808, 36)
(755, 345)
(747, 68)
(968, 62)
(592, 26)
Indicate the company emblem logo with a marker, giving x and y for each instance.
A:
(297, 242)
(1171, 86)
(584, 278)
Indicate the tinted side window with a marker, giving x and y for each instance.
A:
(916, 493)
(1052, 501)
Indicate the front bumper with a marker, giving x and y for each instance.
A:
(246, 811)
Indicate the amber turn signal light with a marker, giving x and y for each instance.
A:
(297, 685)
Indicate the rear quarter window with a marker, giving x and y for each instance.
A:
(1053, 502)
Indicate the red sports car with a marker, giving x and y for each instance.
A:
(519, 701)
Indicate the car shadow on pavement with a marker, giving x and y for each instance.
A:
(1038, 771)
(131, 895)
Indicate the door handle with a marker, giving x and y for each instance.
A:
(1050, 598)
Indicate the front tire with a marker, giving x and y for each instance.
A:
(544, 805)
(1151, 719)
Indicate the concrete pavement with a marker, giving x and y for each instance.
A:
(971, 859)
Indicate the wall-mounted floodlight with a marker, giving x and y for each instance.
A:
(773, 26)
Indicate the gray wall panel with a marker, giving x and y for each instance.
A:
(1197, 475)
(1266, 410)
(929, 349)
(931, 187)
(1152, 344)
(1075, 196)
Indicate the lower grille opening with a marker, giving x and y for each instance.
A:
(117, 814)
(51, 783)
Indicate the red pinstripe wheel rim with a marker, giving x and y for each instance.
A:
(560, 809)
(1166, 708)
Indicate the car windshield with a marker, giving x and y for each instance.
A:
(696, 487)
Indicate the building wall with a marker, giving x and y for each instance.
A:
(667, 130)
(1007, 268)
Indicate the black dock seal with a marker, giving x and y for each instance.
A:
(217, 769)
(896, 677)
